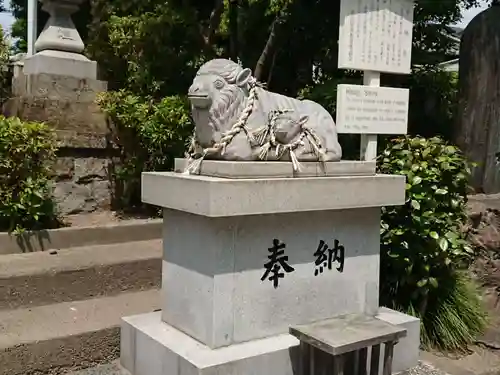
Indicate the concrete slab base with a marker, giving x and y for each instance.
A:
(61, 63)
(151, 347)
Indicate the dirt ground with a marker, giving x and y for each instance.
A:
(100, 218)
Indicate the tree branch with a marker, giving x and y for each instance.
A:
(215, 19)
(267, 52)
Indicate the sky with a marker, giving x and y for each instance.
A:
(6, 19)
(471, 13)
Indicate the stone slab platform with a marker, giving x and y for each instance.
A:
(61, 63)
(152, 347)
(223, 197)
(279, 169)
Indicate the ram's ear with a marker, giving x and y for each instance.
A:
(243, 78)
(303, 120)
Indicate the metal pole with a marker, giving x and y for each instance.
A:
(32, 26)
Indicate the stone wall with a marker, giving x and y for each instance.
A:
(81, 184)
(81, 172)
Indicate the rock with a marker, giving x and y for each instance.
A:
(484, 222)
(81, 184)
(64, 168)
(73, 198)
(89, 169)
(486, 233)
(101, 193)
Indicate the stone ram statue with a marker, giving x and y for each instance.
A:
(236, 119)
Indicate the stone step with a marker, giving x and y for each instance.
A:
(112, 368)
(58, 338)
(42, 278)
(70, 237)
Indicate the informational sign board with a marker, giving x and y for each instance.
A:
(376, 35)
(372, 110)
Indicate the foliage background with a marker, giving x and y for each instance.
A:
(26, 152)
(424, 249)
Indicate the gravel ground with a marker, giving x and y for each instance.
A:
(115, 369)
(426, 369)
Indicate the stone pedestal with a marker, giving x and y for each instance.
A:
(61, 63)
(223, 311)
(58, 85)
(59, 47)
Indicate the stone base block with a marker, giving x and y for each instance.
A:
(61, 63)
(151, 347)
(58, 87)
(224, 197)
(406, 353)
(279, 169)
(214, 283)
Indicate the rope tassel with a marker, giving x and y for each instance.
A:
(295, 162)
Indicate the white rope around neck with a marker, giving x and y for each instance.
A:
(240, 125)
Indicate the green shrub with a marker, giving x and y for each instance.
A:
(149, 135)
(26, 152)
(423, 247)
(5, 86)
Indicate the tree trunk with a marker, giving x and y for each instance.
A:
(271, 70)
(213, 24)
(267, 53)
(478, 121)
(233, 29)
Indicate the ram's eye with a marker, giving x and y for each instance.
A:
(219, 84)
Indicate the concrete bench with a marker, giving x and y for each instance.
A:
(347, 345)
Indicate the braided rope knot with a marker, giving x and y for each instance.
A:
(194, 164)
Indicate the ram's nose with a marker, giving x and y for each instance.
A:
(193, 89)
(196, 90)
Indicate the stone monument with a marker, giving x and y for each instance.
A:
(478, 120)
(58, 85)
(267, 233)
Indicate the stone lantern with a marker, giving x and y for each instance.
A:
(59, 47)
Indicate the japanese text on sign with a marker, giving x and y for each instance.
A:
(376, 35)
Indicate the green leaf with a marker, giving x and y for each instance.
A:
(415, 205)
(433, 281)
(443, 244)
(422, 283)
(441, 192)
(434, 235)
(416, 180)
